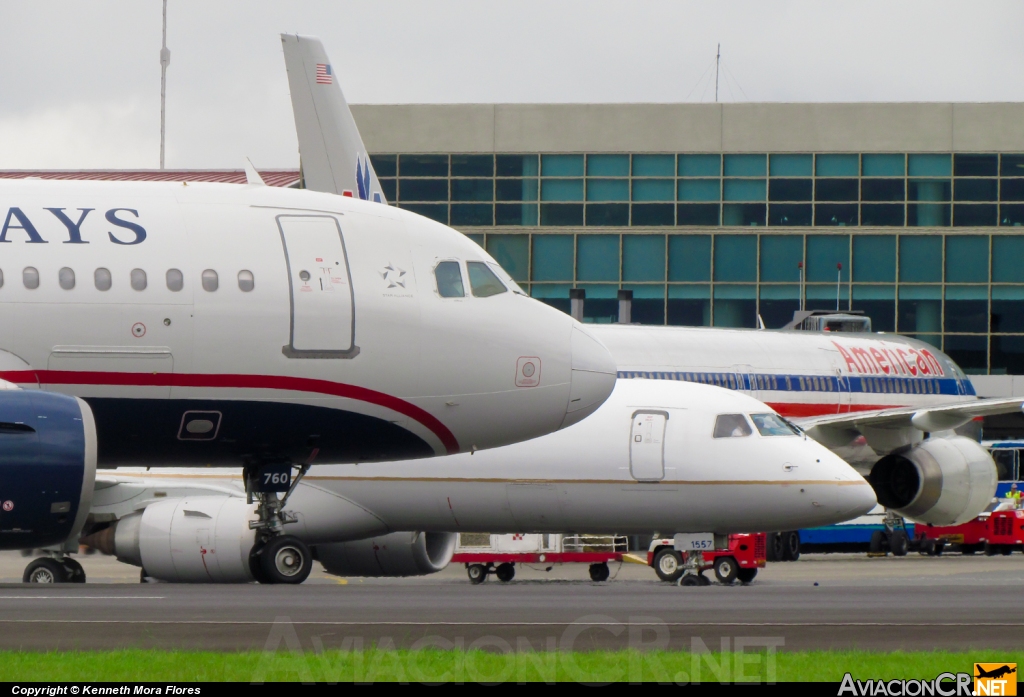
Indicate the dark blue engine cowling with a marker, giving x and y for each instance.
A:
(47, 467)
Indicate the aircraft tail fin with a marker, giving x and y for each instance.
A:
(331, 151)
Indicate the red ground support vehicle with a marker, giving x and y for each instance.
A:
(998, 532)
(500, 554)
(746, 554)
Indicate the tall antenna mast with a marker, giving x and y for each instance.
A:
(165, 60)
(718, 60)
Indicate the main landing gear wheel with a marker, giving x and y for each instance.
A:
(690, 580)
(285, 559)
(76, 574)
(505, 572)
(45, 570)
(599, 573)
(746, 575)
(898, 543)
(877, 544)
(790, 545)
(477, 573)
(668, 565)
(726, 570)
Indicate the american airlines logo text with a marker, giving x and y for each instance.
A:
(886, 360)
(18, 225)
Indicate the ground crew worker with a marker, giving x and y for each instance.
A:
(1014, 495)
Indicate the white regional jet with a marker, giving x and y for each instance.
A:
(656, 456)
(164, 324)
(887, 403)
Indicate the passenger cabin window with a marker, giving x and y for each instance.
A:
(246, 282)
(772, 425)
(31, 277)
(138, 279)
(175, 280)
(210, 280)
(66, 278)
(482, 280)
(102, 278)
(449, 280)
(732, 426)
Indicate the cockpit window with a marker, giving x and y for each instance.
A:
(506, 279)
(449, 280)
(731, 426)
(772, 425)
(482, 280)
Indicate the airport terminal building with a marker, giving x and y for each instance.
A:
(712, 213)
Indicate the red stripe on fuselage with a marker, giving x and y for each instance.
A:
(797, 410)
(256, 382)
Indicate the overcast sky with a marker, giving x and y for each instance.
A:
(80, 82)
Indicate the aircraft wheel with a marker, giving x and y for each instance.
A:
(477, 573)
(76, 574)
(690, 580)
(703, 580)
(877, 544)
(668, 565)
(726, 570)
(791, 545)
(286, 559)
(505, 572)
(898, 543)
(599, 573)
(746, 575)
(45, 570)
(773, 551)
(255, 565)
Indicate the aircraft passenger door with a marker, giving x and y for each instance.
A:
(320, 283)
(647, 445)
(845, 394)
(747, 379)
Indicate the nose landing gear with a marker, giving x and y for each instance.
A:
(276, 557)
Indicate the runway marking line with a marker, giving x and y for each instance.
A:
(528, 624)
(83, 597)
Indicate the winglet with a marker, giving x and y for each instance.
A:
(333, 157)
(251, 175)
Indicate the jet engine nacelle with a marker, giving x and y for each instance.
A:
(395, 554)
(196, 539)
(47, 467)
(942, 481)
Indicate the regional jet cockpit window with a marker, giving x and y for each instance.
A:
(772, 425)
(482, 280)
(732, 426)
(449, 280)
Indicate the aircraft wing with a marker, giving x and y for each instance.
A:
(331, 151)
(928, 419)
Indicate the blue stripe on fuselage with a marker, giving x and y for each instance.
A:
(771, 382)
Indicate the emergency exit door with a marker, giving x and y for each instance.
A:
(323, 320)
(647, 445)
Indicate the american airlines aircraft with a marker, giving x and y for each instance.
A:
(656, 456)
(873, 398)
(184, 324)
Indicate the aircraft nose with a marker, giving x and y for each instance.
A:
(593, 376)
(857, 499)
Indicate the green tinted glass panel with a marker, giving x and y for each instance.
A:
(516, 165)
(608, 165)
(689, 257)
(643, 257)
(655, 189)
(550, 290)
(561, 190)
(513, 253)
(823, 253)
(561, 165)
(780, 255)
(735, 258)
(835, 165)
(656, 165)
(920, 258)
(888, 165)
(790, 165)
(930, 165)
(967, 259)
(874, 258)
(552, 257)
(1007, 253)
(597, 258)
(607, 189)
(385, 165)
(744, 190)
(874, 292)
(700, 165)
(745, 165)
(472, 165)
(700, 189)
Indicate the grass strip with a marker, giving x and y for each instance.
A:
(373, 665)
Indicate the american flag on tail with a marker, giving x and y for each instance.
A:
(324, 75)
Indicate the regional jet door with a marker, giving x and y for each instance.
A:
(323, 321)
(647, 445)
